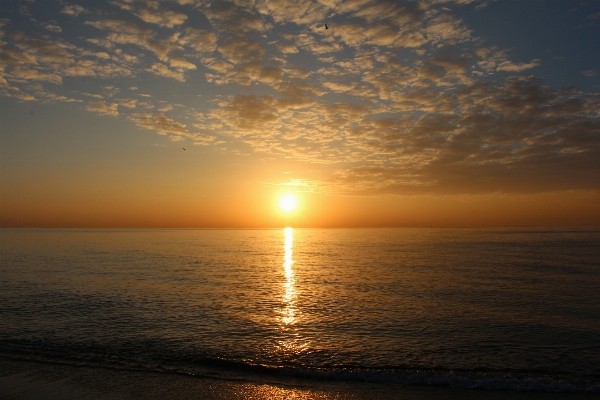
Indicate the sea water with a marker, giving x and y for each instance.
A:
(505, 308)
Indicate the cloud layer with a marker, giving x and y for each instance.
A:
(398, 97)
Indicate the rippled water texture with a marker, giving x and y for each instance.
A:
(498, 308)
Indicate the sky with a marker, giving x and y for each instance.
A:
(197, 113)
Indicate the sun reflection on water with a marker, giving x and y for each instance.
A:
(289, 297)
(291, 342)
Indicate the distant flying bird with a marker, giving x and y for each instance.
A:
(184, 148)
(326, 27)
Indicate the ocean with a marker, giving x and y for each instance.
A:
(503, 309)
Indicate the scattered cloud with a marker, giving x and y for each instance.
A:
(484, 4)
(164, 18)
(339, 86)
(24, 96)
(233, 17)
(198, 39)
(447, 29)
(517, 67)
(73, 10)
(167, 126)
(242, 50)
(163, 70)
(181, 63)
(399, 97)
(287, 48)
(159, 123)
(124, 32)
(51, 27)
(129, 103)
(103, 107)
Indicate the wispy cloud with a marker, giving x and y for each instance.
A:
(167, 126)
(73, 10)
(103, 107)
(123, 32)
(589, 73)
(163, 70)
(517, 67)
(51, 27)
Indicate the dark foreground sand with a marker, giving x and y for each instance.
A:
(44, 381)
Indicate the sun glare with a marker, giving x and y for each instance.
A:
(288, 203)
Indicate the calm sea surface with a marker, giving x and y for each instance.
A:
(515, 309)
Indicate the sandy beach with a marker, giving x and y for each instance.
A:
(31, 380)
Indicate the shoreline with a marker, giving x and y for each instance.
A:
(36, 380)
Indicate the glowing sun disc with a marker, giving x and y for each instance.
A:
(288, 203)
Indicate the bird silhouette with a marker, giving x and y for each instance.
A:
(326, 27)
(183, 148)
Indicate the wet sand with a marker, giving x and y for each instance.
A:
(31, 380)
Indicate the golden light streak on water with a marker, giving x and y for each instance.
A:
(289, 297)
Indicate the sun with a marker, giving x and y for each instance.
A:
(288, 203)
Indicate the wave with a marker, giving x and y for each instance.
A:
(533, 380)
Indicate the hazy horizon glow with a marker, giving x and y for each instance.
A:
(196, 113)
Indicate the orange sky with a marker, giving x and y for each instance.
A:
(249, 205)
